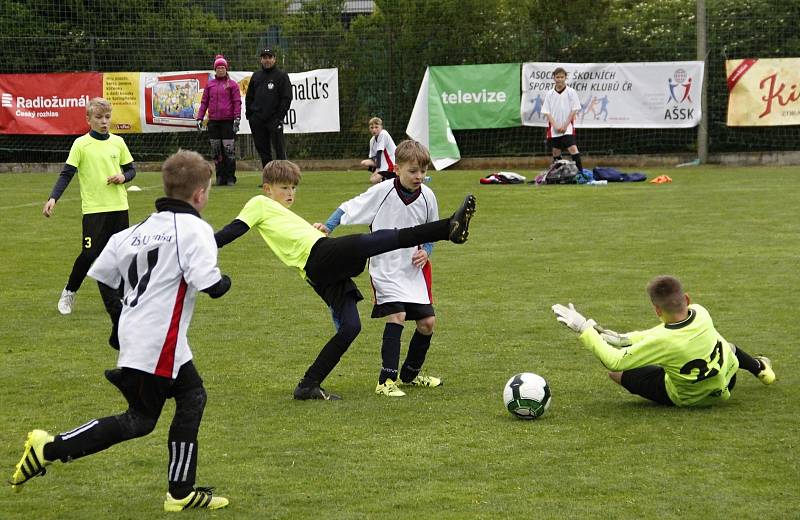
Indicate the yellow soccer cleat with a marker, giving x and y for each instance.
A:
(390, 389)
(427, 381)
(200, 498)
(32, 462)
(767, 375)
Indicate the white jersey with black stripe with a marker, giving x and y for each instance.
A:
(381, 150)
(163, 261)
(386, 206)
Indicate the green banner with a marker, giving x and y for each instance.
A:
(470, 97)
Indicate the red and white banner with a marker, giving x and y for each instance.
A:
(144, 102)
(31, 104)
(763, 92)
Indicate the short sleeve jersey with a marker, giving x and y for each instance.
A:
(559, 105)
(381, 150)
(163, 261)
(287, 234)
(698, 362)
(96, 161)
(387, 206)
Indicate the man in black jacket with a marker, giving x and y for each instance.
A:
(267, 101)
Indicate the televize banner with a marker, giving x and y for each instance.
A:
(463, 97)
(146, 102)
(763, 92)
(620, 95)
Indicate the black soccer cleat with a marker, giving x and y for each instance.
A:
(304, 393)
(459, 222)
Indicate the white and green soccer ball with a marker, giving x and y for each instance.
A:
(527, 395)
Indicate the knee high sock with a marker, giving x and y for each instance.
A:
(390, 352)
(96, 435)
(334, 349)
(748, 362)
(78, 274)
(182, 467)
(424, 233)
(577, 158)
(417, 350)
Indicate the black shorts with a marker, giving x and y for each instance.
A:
(221, 129)
(648, 382)
(147, 392)
(387, 175)
(562, 142)
(414, 311)
(98, 228)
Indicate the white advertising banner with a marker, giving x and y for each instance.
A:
(170, 101)
(620, 95)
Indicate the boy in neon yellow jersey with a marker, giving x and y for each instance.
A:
(683, 361)
(103, 164)
(329, 264)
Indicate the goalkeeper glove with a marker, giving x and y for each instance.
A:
(615, 339)
(199, 125)
(572, 318)
(236, 125)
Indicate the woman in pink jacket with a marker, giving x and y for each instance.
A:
(223, 101)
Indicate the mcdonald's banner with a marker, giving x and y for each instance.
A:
(763, 92)
(145, 102)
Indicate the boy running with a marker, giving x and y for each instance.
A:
(401, 279)
(329, 264)
(381, 161)
(162, 262)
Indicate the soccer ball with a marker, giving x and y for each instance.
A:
(527, 395)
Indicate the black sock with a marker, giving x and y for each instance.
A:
(748, 362)
(417, 350)
(390, 352)
(424, 233)
(577, 158)
(182, 464)
(96, 435)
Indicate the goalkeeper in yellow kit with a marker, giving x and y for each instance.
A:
(683, 361)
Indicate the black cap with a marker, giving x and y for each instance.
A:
(267, 52)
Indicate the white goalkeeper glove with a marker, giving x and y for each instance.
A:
(199, 125)
(615, 339)
(572, 318)
(236, 125)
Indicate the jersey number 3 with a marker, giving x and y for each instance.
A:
(703, 372)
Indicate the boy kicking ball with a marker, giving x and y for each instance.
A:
(329, 264)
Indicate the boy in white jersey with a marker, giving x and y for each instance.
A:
(103, 164)
(683, 361)
(381, 161)
(162, 262)
(329, 264)
(560, 105)
(401, 279)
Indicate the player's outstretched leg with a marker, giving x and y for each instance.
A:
(32, 463)
(459, 222)
(199, 498)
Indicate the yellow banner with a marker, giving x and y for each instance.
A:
(763, 92)
(122, 90)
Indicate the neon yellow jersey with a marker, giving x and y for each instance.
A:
(288, 235)
(698, 363)
(96, 161)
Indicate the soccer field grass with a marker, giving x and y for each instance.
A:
(730, 234)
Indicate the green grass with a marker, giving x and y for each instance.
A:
(731, 235)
